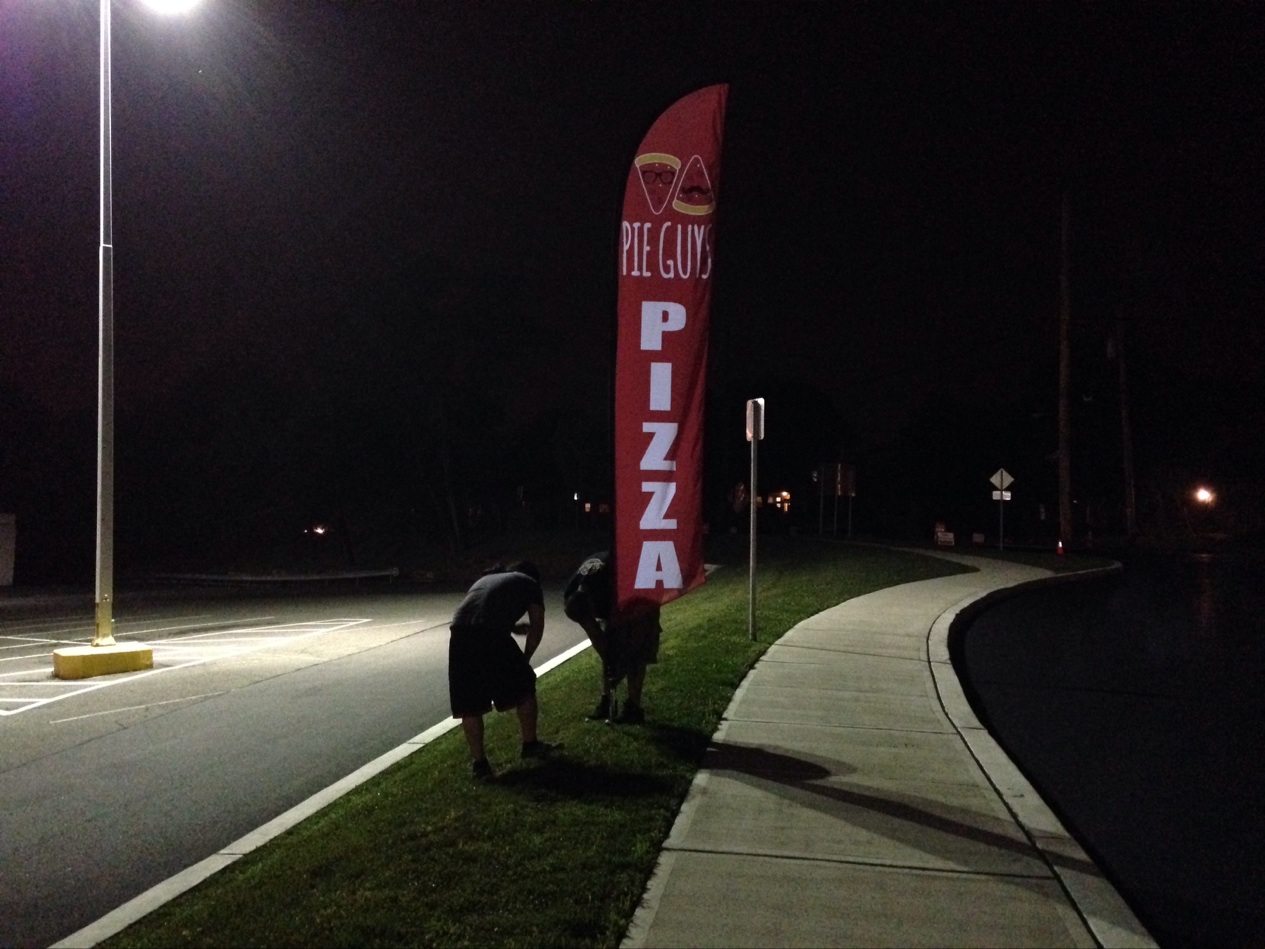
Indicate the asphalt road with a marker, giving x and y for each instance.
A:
(1135, 706)
(111, 785)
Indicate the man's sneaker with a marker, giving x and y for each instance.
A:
(602, 711)
(630, 715)
(480, 770)
(538, 749)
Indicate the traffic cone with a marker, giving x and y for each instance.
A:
(1060, 551)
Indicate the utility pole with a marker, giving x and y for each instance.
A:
(1126, 439)
(1065, 375)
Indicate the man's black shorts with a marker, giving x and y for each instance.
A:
(487, 669)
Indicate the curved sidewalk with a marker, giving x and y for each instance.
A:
(850, 797)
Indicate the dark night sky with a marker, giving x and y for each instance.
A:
(888, 230)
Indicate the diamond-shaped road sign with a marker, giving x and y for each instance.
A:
(1002, 479)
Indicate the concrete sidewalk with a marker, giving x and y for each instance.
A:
(851, 798)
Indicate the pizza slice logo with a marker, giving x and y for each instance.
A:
(658, 174)
(694, 195)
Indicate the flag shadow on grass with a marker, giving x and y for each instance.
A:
(571, 778)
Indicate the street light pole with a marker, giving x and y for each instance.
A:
(104, 656)
(104, 595)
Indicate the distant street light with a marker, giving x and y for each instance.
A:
(104, 595)
(1204, 495)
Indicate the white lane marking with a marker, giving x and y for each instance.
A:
(133, 708)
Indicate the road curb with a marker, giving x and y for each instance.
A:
(1095, 898)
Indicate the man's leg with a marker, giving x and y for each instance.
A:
(642, 647)
(600, 639)
(528, 712)
(465, 693)
(636, 679)
(532, 747)
(472, 726)
(631, 713)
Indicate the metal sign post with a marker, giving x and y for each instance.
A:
(845, 485)
(1001, 479)
(838, 476)
(755, 432)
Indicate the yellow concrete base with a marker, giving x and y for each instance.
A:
(83, 662)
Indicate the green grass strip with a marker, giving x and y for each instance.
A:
(554, 853)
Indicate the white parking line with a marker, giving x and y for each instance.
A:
(236, 629)
(26, 642)
(43, 652)
(22, 642)
(167, 629)
(133, 708)
(45, 678)
(171, 651)
(51, 621)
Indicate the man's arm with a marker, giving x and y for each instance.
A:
(534, 628)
